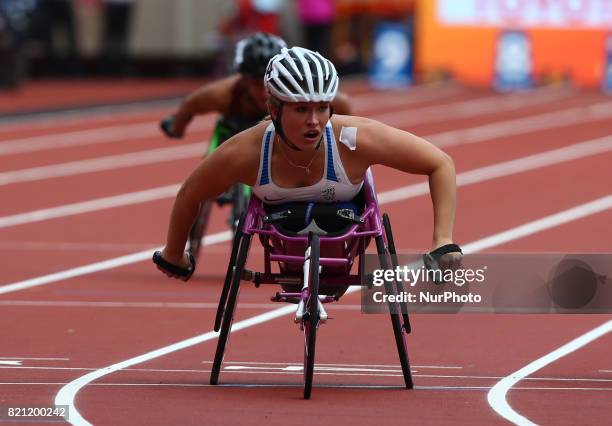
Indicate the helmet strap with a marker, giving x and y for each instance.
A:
(279, 129)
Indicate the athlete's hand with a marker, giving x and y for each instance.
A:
(181, 268)
(445, 257)
(167, 126)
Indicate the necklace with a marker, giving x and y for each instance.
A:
(307, 166)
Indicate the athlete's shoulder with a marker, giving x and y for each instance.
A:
(364, 126)
(351, 120)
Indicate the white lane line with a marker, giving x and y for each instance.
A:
(100, 266)
(97, 204)
(94, 136)
(111, 162)
(497, 395)
(336, 365)
(506, 168)
(298, 369)
(517, 388)
(60, 246)
(80, 247)
(320, 370)
(328, 367)
(77, 272)
(36, 359)
(67, 394)
(583, 210)
(141, 130)
(490, 131)
(361, 103)
(533, 123)
(299, 385)
(473, 107)
(552, 221)
(51, 121)
(133, 305)
(400, 100)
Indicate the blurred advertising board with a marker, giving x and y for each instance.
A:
(462, 37)
(392, 56)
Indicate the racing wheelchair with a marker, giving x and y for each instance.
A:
(314, 268)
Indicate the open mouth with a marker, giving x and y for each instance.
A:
(312, 135)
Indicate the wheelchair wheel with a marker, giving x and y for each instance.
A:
(228, 314)
(198, 229)
(228, 274)
(311, 323)
(398, 332)
(240, 200)
(393, 253)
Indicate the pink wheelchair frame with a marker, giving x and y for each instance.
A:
(311, 262)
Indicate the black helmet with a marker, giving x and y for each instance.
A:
(253, 53)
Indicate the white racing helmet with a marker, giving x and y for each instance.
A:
(301, 75)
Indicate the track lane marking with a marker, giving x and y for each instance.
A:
(146, 305)
(453, 110)
(489, 131)
(97, 204)
(144, 128)
(67, 394)
(497, 394)
(299, 385)
(98, 164)
(506, 168)
(285, 366)
(470, 108)
(408, 192)
(35, 359)
(320, 369)
(101, 266)
(98, 135)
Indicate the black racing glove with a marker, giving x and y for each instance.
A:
(440, 258)
(166, 125)
(183, 273)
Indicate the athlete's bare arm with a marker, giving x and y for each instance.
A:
(212, 97)
(236, 160)
(378, 143)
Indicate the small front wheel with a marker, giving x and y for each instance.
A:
(311, 320)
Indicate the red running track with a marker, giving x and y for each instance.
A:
(58, 331)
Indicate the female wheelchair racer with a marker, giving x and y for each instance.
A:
(240, 99)
(295, 157)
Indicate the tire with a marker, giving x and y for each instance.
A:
(198, 229)
(312, 323)
(239, 204)
(398, 333)
(228, 314)
(228, 274)
(393, 253)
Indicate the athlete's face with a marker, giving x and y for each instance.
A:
(257, 91)
(304, 122)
